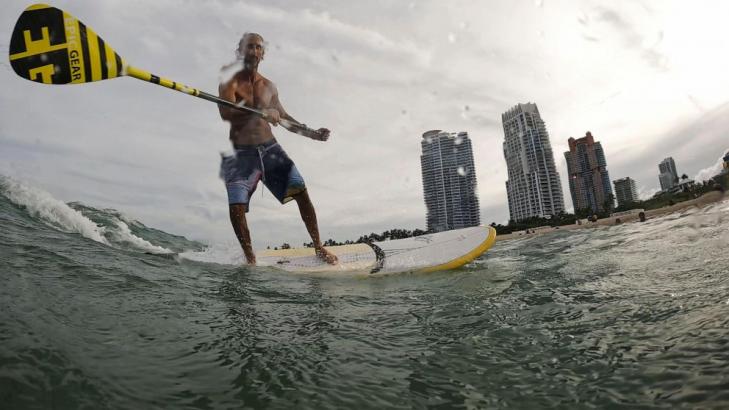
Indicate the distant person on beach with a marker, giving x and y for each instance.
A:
(258, 156)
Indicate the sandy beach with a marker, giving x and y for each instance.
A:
(706, 199)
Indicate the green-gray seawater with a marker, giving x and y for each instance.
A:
(630, 316)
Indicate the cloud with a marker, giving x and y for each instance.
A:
(705, 136)
(630, 35)
(713, 170)
(694, 147)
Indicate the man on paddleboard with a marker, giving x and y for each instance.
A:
(258, 156)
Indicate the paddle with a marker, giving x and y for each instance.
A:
(50, 46)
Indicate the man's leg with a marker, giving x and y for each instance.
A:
(240, 226)
(308, 215)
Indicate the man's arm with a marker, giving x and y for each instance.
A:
(280, 113)
(322, 134)
(226, 91)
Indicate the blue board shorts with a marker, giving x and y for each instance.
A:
(252, 163)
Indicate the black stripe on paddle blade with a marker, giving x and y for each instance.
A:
(102, 54)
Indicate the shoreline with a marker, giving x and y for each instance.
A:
(700, 202)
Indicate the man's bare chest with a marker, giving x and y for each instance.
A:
(256, 95)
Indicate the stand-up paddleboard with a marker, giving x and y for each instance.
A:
(426, 253)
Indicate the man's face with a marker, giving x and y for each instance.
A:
(251, 49)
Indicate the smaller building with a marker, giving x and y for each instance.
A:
(668, 176)
(625, 191)
(726, 163)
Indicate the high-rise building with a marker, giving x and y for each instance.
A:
(588, 175)
(449, 181)
(667, 181)
(668, 176)
(625, 191)
(533, 187)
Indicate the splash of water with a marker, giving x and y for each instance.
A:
(51, 210)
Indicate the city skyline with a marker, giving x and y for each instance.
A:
(449, 181)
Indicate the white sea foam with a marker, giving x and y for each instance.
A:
(222, 253)
(124, 234)
(43, 205)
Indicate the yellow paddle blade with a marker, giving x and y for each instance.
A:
(50, 46)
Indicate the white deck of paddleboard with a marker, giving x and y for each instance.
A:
(426, 252)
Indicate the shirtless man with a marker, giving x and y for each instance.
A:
(258, 155)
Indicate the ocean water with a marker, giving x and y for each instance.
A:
(99, 311)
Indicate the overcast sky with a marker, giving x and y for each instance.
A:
(648, 79)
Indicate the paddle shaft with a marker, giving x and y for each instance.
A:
(164, 82)
(143, 75)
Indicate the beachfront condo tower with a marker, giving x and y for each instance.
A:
(533, 187)
(449, 181)
(668, 176)
(625, 191)
(588, 176)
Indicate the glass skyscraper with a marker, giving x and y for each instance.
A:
(668, 176)
(533, 187)
(449, 181)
